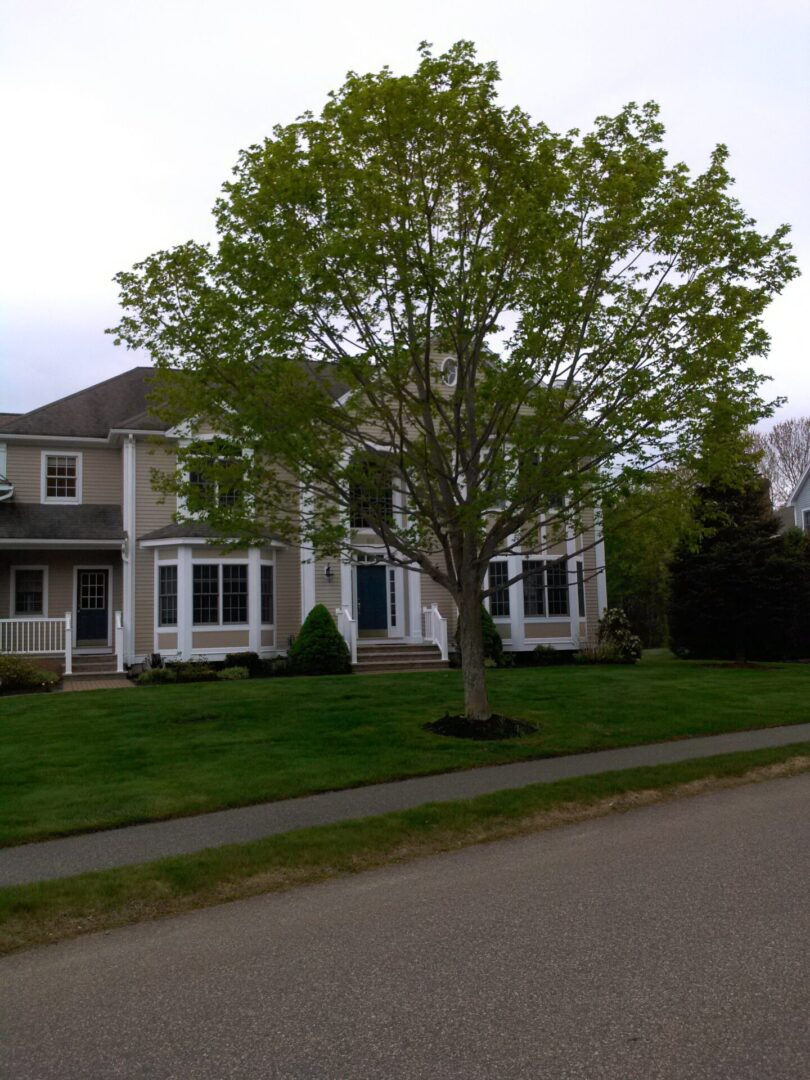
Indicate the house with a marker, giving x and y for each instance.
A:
(797, 511)
(97, 573)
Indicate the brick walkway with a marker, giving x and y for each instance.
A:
(99, 682)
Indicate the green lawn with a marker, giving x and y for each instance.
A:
(74, 762)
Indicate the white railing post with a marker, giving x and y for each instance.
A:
(68, 644)
(119, 641)
(348, 628)
(435, 629)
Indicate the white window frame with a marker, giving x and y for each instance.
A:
(505, 619)
(219, 625)
(160, 627)
(805, 528)
(272, 564)
(63, 500)
(12, 605)
(548, 560)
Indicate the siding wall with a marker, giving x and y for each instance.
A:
(102, 472)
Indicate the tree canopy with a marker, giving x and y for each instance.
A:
(502, 313)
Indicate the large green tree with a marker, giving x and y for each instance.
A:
(422, 281)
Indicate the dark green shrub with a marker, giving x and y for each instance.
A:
(493, 643)
(19, 674)
(319, 648)
(250, 660)
(601, 653)
(232, 674)
(192, 671)
(548, 656)
(615, 634)
(156, 675)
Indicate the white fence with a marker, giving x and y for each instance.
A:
(434, 628)
(43, 636)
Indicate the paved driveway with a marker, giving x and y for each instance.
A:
(671, 942)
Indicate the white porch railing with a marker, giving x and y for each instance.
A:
(119, 642)
(23, 636)
(434, 628)
(347, 625)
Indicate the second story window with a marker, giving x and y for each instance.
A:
(372, 495)
(61, 478)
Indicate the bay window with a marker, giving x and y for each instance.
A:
(545, 588)
(499, 599)
(267, 594)
(167, 596)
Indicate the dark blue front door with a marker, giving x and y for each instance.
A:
(372, 613)
(92, 616)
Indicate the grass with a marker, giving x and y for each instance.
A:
(54, 910)
(75, 762)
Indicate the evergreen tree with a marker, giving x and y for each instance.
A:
(743, 591)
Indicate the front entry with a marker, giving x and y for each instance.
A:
(372, 600)
(92, 607)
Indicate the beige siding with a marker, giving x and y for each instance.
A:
(288, 595)
(102, 472)
(433, 593)
(150, 514)
(166, 553)
(328, 592)
(167, 642)
(268, 639)
(214, 640)
(535, 631)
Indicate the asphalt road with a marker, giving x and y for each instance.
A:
(670, 942)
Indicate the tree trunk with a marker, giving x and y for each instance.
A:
(471, 645)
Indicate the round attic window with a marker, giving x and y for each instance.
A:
(449, 371)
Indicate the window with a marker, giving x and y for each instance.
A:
(267, 594)
(208, 489)
(545, 588)
(499, 599)
(372, 495)
(581, 589)
(206, 593)
(533, 588)
(557, 587)
(806, 521)
(29, 591)
(234, 593)
(61, 477)
(220, 594)
(167, 596)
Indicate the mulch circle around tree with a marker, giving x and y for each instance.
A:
(497, 727)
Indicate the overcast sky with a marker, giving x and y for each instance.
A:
(122, 119)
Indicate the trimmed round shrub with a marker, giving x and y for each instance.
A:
(232, 674)
(19, 674)
(155, 676)
(319, 648)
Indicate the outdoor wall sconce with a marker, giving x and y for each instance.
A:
(328, 572)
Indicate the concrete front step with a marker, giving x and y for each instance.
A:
(394, 653)
(374, 667)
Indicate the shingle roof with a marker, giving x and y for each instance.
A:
(30, 521)
(92, 412)
(190, 530)
(6, 416)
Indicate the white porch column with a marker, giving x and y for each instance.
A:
(599, 551)
(307, 564)
(68, 643)
(185, 602)
(129, 552)
(516, 618)
(414, 604)
(346, 592)
(573, 592)
(255, 599)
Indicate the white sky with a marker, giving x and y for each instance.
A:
(122, 119)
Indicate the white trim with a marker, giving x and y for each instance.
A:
(58, 500)
(36, 542)
(515, 566)
(415, 604)
(203, 541)
(185, 602)
(129, 520)
(307, 555)
(599, 553)
(11, 603)
(255, 599)
(800, 511)
(73, 440)
(108, 598)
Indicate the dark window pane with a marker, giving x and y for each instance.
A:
(533, 598)
(581, 589)
(60, 476)
(806, 520)
(557, 581)
(206, 593)
(29, 592)
(167, 596)
(499, 600)
(234, 594)
(267, 594)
